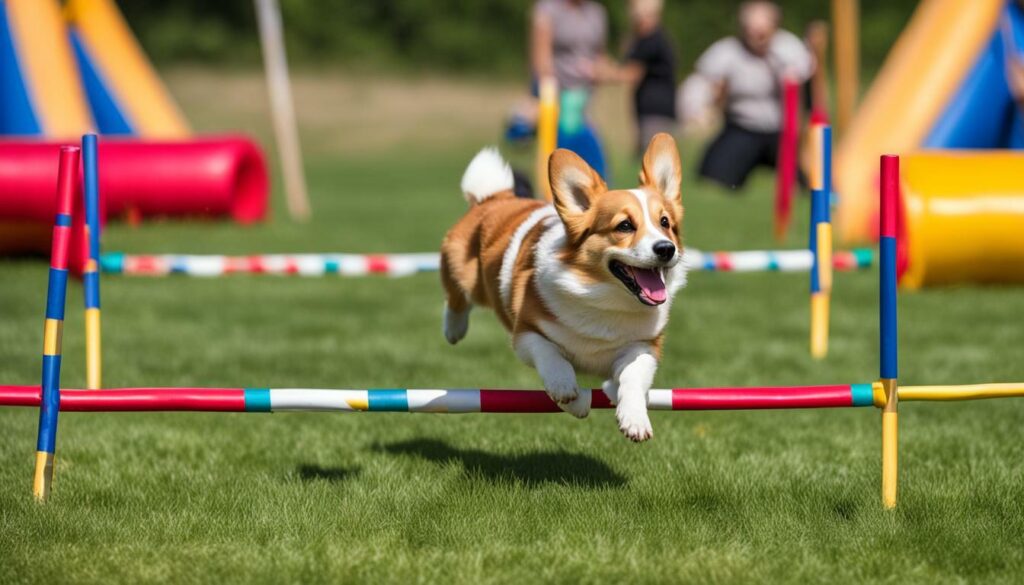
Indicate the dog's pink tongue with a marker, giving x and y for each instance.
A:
(651, 284)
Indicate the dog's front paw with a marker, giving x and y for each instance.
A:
(634, 422)
(578, 407)
(611, 390)
(562, 387)
(456, 324)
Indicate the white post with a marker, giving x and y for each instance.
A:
(268, 15)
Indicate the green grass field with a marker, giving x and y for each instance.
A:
(789, 496)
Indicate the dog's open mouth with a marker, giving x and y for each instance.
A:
(647, 284)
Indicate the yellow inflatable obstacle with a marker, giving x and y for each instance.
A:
(39, 90)
(942, 86)
(126, 94)
(963, 217)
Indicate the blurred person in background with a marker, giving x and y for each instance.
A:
(816, 89)
(744, 75)
(650, 68)
(699, 115)
(568, 41)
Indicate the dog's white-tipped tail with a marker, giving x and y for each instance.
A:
(486, 175)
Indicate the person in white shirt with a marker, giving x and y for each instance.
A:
(745, 76)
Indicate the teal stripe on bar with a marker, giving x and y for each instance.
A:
(862, 394)
(388, 400)
(865, 257)
(112, 262)
(257, 400)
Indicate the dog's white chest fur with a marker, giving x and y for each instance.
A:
(593, 321)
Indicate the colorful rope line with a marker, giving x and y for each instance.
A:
(53, 328)
(90, 273)
(408, 264)
(429, 400)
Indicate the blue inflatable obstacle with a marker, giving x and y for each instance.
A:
(983, 113)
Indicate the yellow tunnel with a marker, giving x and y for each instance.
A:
(963, 217)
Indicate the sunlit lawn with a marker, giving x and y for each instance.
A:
(729, 496)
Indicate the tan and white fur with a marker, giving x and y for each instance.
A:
(585, 284)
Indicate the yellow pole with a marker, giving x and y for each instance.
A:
(890, 443)
(93, 363)
(547, 131)
(825, 258)
(819, 325)
(846, 31)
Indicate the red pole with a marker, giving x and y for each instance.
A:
(786, 165)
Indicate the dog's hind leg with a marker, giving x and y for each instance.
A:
(456, 305)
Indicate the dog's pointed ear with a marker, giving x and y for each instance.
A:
(662, 171)
(575, 187)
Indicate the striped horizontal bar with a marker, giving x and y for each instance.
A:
(488, 400)
(407, 264)
(273, 264)
(774, 260)
(441, 400)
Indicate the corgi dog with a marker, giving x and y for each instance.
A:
(583, 284)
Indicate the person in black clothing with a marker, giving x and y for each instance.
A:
(653, 54)
(650, 67)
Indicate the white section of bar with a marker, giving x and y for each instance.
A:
(439, 400)
(659, 399)
(284, 399)
(794, 260)
(428, 261)
(311, 264)
(694, 259)
(353, 265)
(201, 265)
(401, 266)
(751, 261)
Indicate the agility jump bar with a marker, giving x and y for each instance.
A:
(274, 264)
(428, 400)
(407, 264)
(483, 400)
(775, 260)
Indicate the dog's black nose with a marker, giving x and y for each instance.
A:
(664, 250)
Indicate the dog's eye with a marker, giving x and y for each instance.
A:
(664, 222)
(625, 226)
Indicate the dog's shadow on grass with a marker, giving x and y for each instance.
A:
(330, 474)
(531, 469)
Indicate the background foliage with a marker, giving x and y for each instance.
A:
(484, 36)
